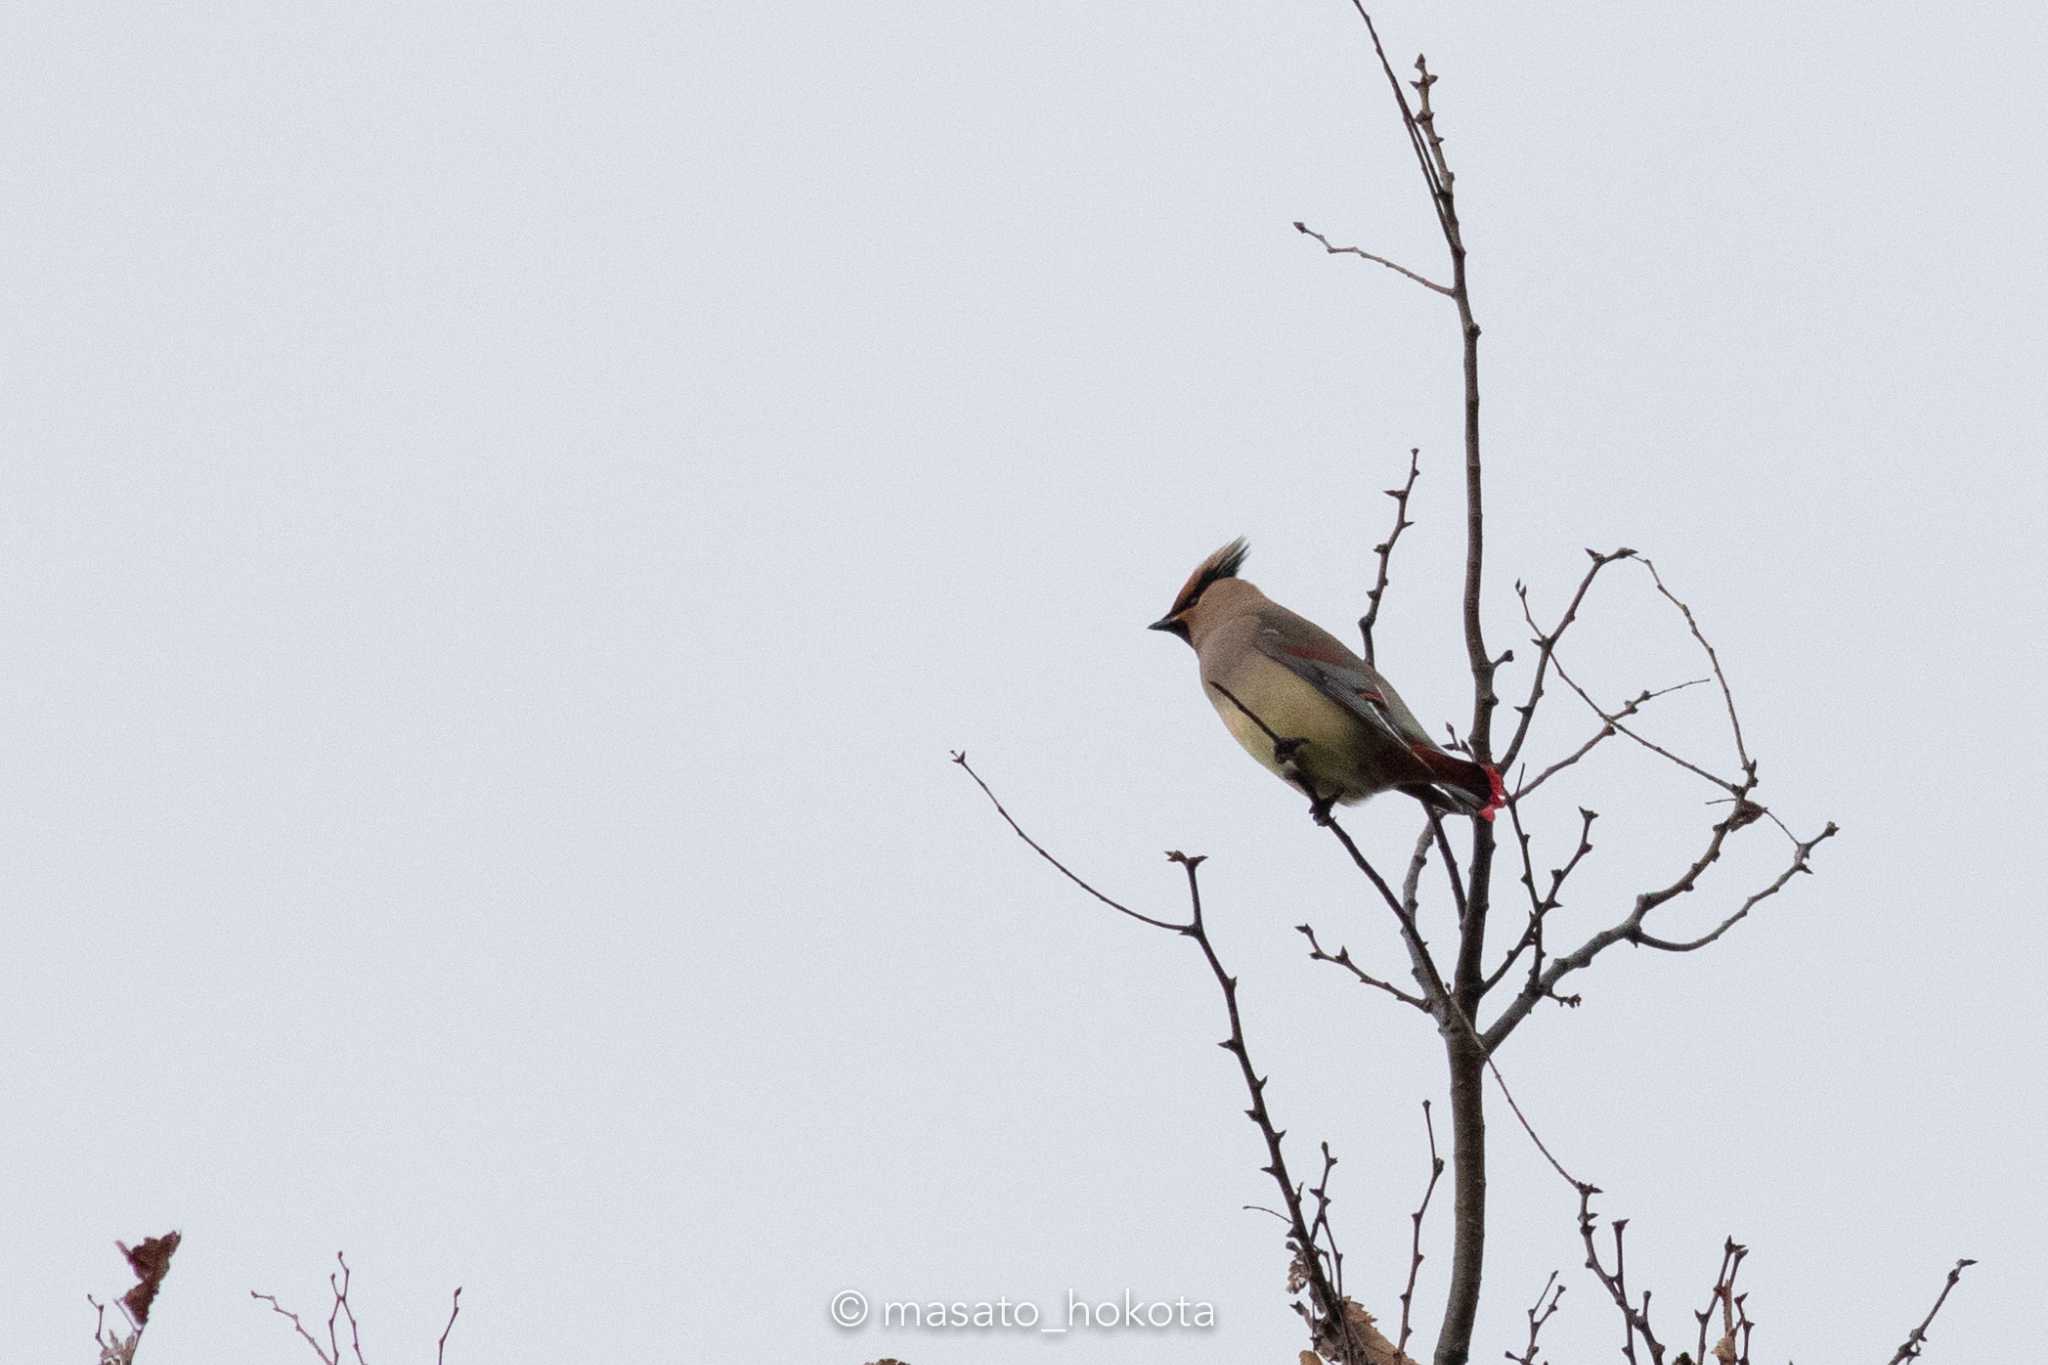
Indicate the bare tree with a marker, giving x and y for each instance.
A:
(1477, 992)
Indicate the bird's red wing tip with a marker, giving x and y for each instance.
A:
(1497, 798)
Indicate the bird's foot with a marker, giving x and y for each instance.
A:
(1319, 809)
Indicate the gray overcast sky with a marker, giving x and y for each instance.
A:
(507, 507)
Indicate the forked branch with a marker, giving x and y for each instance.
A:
(340, 1310)
(1334, 1321)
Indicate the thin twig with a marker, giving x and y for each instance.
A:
(1541, 906)
(1800, 863)
(1635, 1320)
(297, 1325)
(1415, 1257)
(1731, 1347)
(1330, 1322)
(1909, 1349)
(1605, 732)
(1329, 1303)
(1713, 658)
(1422, 280)
(960, 758)
(342, 1307)
(1538, 1314)
(454, 1311)
(1546, 643)
(1321, 1227)
(1528, 1127)
(1614, 720)
(1342, 958)
(1443, 843)
(1630, 928)
(1385, 549)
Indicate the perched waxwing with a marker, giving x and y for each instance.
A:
(1306, 707)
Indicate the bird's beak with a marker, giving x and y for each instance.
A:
(1163, 623)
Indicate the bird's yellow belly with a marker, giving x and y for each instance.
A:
(1292, 709)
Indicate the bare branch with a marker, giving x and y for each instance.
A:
(297, 1326)
(1385, 549)
(342, 1307)
(1422, 280)
(1635, 1319)
(1538, 1314)
(1342, 958)
(1332, 1320)
(1432, 982)
(1523, 1119)
(1605, 732)
(1541, 906)
(1443, 844)
(1909, 1349)
(1802, 853)
(1731, 1346)
(1415, 1258)
(1630, 928)
(1468, 1128)
(1546, 643)
(454, 1311)
(1320, 1227)
(960, 758)
(1330, 1306)
(1727, 695)
(1613, 720)
(1439, 188)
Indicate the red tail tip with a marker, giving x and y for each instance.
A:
(1497, 799)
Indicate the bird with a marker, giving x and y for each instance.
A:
(1307, 708)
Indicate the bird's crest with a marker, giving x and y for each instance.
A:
(1223, 564)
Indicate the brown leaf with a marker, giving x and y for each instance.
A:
(151, 1262)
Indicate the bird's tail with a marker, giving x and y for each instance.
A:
(1474, 788)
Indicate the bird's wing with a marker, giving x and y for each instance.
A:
(1342, 676)
(1318, 657)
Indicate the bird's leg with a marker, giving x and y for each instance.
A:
(1318, 803)
(1284, 751)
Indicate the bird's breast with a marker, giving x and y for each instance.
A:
(1292, 708)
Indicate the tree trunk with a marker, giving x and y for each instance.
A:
(1468, 1172)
